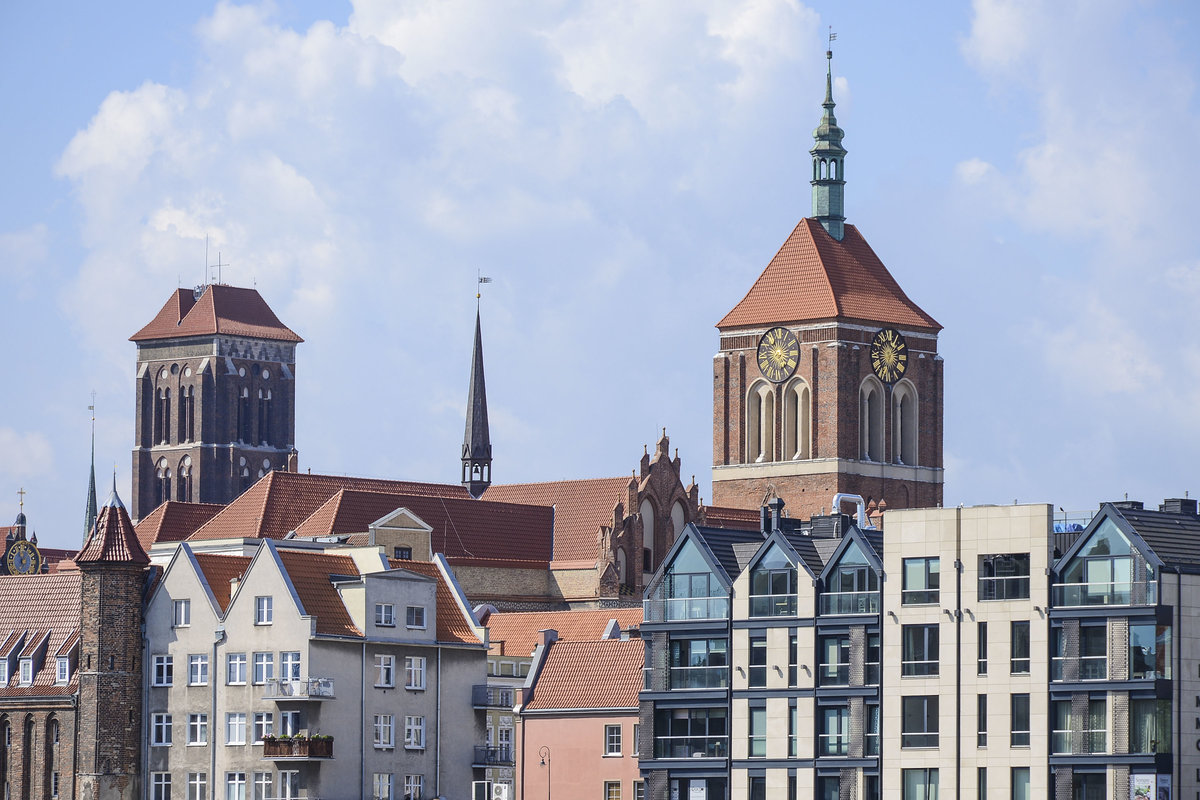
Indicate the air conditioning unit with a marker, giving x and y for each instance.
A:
(499, 791)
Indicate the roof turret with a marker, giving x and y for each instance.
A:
(113, 539)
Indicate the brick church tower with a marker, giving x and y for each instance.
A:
(828, 377)
(109, 734)
(216, 397)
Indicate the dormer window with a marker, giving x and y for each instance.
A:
(26, 671)
(3, 671)
(773, 585)
(63, 674)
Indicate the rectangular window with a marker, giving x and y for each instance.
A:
(981, 715)
(758, 732)
(235, 669)
(289, 784)
(871, 670)
(1149, 651)
(919, 784)
(385, 615)
(289, 723)
(55, 779)
(197, 729)
(414, 733)
(235, 786)
(235, 727)
(197, 670)
(981, 783)
(385, 731)
(793, 732)
(612, 740)
(3, 672)
(160, 786)
(264, 667)
(1020, 721)
(263, 784)
(414, 672)
(919, 721)
(402, 553)
(289, 665)
(1149, 726)
(383, 783)
(264, 725)
(639, 790)
(833, 654)
(1020, 648)
(1093, 652)
(264, 610)
(62, 673)
(612, 790)
(1020, 784)
(160, 730)
(1004, 577)
(872, 736)
(793, 659)
(919, 653)
(197, 785)
(183, 613)
(413, 786)
(26, 677)
(415, 616)
(1060, 726)
(699, 664)
(1095, 738)
(385, 671)
(835, 731)
(829, 787)
(758, 662)
(982, 629)
(920, 581)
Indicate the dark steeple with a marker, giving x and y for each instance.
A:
(89, 516)
(828, 178)
(477, 443)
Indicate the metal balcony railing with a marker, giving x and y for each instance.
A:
(691, 746)
(298, 689)
(484, 696)
(494, 756)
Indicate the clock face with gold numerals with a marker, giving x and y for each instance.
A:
(23, 559)
(778, 354)
(889, 355)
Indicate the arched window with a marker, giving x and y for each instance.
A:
(833, 169)
(189, 428)
(646, 510)
(870, 416)
(264, 426)
(244, 421)
(185, 479)
(27, 760)
(622, 567)
(678, 520)
(797, 421)
(162, 482)
(162, 417)
(904, 424)
(760, 423)
(50, 761)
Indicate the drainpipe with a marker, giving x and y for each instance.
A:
(437, 745)
(362, 723)
(1176, 712)
(212, 707)
(958, 668)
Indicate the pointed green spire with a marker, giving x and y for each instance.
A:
(828, 177)
(90, 513)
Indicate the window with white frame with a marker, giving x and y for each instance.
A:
(506, 740)
(197, 729)
(264, 725)
(413, 786)
(414, 732)
(160, 730)
(63, 670)
(612, 740)
(289, 723)
(612, 790)
(235, 669)
(289, 665)
(264, 611)
(235, 786)
(263, 783)
(639, 790)
(55, 782)
(385, 668)
(385, 615)
(414, 616)
(160, 786)
(26, 677)
(163, 671)
(383, 785)
(289, 784)
(264, 667)
(3, 671)
(385, 731)
(235, 727)
(197, 783)
(414, 672)
(183, 613)
(197, 670)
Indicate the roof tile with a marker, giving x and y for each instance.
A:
(515, 633)
(219, 571)
(40, 605)
(580, 508)
(220, 311)
(309, 573)
(590, 675)
(452, 626)
(174, 521)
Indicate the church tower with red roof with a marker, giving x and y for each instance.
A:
(216, 397)
(828, 378)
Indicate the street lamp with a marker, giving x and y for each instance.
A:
(544, 752)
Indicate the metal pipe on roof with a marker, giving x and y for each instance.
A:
(858, 501)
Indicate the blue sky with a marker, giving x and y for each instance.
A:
(623, 171)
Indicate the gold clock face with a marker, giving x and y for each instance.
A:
(23, 559)
(778, 354)
(889, 355)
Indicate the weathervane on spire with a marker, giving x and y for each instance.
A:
(832, 39)
(479, 281)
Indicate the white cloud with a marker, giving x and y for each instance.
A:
(26, 454)
(972, 171)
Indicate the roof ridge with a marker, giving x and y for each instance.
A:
(808, 224)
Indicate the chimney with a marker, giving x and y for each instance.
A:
(1179, 505)
(549, 636)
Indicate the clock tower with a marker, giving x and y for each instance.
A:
(828, 378)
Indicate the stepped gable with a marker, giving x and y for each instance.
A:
(219, 571)
(515, 633)
(279, 502)
(815, 277)
(462, 528)
(37, 610)
(113, 540)
(310, 574)
(452, 626)
(581, 507)
(220, 310)
(174, 521)
(589, 675)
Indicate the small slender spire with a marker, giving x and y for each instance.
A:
(828, 177)
(89, 516)
(477, 443)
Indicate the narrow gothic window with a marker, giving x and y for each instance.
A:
(904, 425)
(166, 416)
(244, 421)
(797, 422)
(871, 422)
(191, 414)
(262, 420)
(185, 480)
(162, 491)
(646, 510)
(760, 439)
(266, 427)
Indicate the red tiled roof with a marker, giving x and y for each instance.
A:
(461, 526)
(113, 538)
(310, 573)
(279, 501)
(580, 508)
(40, 605)
(815, 277)
(739, 519)
(516, 632)
(220, 310)
(589, 675)
(219, 571)
(452, 626)
(174, 521)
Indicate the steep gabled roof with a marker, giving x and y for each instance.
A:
(219, 571)
(310, 576)
(516, 632)
(40, 606)
(220, 311)
(815, 277)
(590, 676)
(174, 521)
(452, 626)
(580, 508)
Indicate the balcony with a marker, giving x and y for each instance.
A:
(483, 696)
(298, 689)
(1107, 593)
(691, 746)
(686, 608)
(1091, 742)
(849, 603)
(833, 675)
(773, 605)
(833, 744)
(1006, 588)
(493, 757)
(1091, 668)
(699, 677)
(297, 748)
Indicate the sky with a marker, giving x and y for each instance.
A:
(623, 171)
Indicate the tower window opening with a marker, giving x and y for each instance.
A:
(797, 422)
(162, 476)
(904, 424)
(162, 417)
(760, 438)
(244, 421)
(871, 422)
(266, 426)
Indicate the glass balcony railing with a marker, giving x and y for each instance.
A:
(918, 668)
(849, 603)
(871, 744)
(691, 746)
(1091, 668)
(1011, 588)
(773, 605)
(1092, 742)
(1107, 593)
(298, 689)
(833, 675)
(833, 744)
(871, 673)
(699, 677)
(685, 608)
